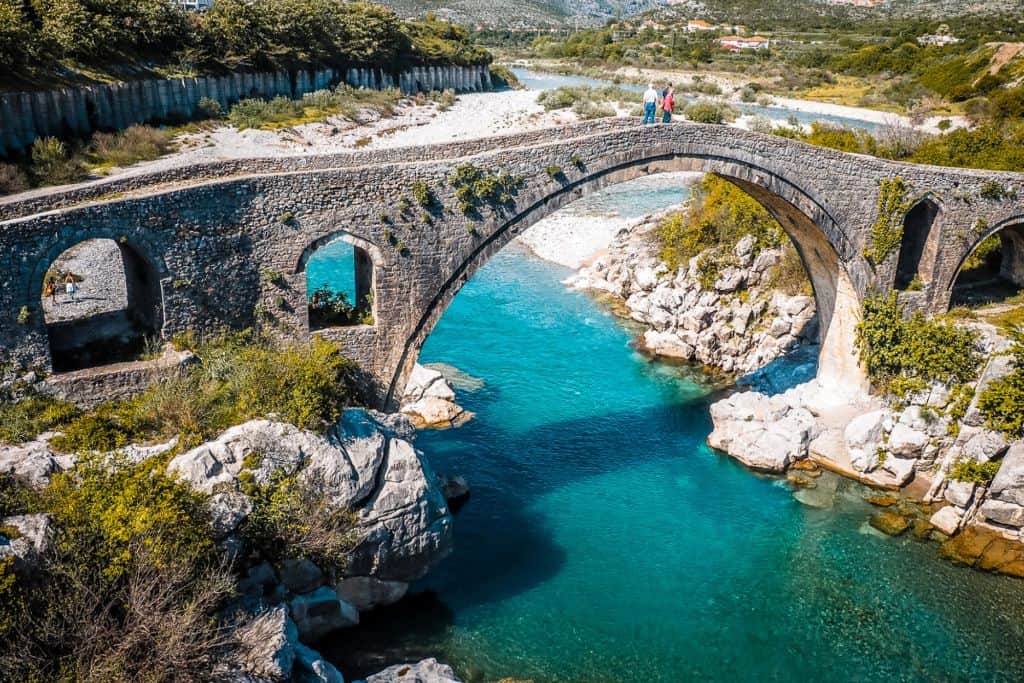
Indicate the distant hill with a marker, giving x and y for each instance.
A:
(590, 12)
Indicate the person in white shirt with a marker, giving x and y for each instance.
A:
(652, 98)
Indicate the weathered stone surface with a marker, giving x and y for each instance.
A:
(34, 536)
(320, 612)
(906, 442)
(363, 464)
(311, 667)
(228, 510)
(366, 592)
(891, 523)
(32, 462)
(946, 520)
(960, 493)
(1008, 484)
(266, 646)
(863, 437)
(1002, 512)
(426, 671)
(429, 400)
(300, 575)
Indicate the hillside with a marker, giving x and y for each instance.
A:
(524, 12)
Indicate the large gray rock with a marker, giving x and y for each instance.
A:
(266, 646)
(364, 463)
(366, 592)
(863, 437)
(906, 442)
(960, 493)
(318, 613)
(764, 434)
(1008, 484)
(34, 534)
(311, 667)
(32, 462)
(300, 575)
(1002, 512)
(985, 445)
(426, 671)
(228, 509)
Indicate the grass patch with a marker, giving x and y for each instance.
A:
(240, 377)
(586, 101)
(282, 112)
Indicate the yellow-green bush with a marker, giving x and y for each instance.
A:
(904, 355)
(719, 215)
(22, 421)
(1002, 401)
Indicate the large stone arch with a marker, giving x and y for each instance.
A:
(370, 263)
(837, 271)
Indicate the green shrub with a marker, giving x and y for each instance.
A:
(12, 179)
(905, 354)
(209, 108)
(719, 215)
(131, 587)
(423, 195)
(131, 145)
(1002, 401)
(993, 189)
(293, 518)
(708, 111)
(52, 164)
(554, 172)
(24, 315)
(502, 77)
(241, 377)
(887, 230)
(975, 472)
(475, 187)
(31, 416)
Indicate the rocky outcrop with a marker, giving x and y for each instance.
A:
(269, 649)
(766, 434)
(426, 671)
(429, 401)
(738, 324)
(25, 538)
(365, 463)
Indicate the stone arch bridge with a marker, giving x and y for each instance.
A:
(227, 243)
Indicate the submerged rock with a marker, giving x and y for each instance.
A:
(891, 523)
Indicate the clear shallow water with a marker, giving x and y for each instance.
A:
(605, 542)
(536, 80)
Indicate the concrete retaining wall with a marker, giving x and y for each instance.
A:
(78, 111)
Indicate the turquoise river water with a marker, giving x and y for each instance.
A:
(604, 541)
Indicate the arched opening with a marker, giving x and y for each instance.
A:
(816, 238)
(101, 302)
(918, 248)
(993, 273)
(339, 283)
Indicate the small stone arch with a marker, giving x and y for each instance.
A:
(1011, 248)
(922, 227)
(367, 263)
(836, 269)
(110, 319)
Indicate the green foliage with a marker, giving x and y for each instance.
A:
(1002, 401)
(984, 254)
(476, 187)
(709, 111)
(554, 171)
(719, 215)
(328, 308)
(271, 276)
(975, 472)
(241, 377)
(887, 230)
(994, 190)
(209, 108)
(129, 146)
(587, 102)
(502, 77)
(24, 420)
(904, 355)
(293, 518)
(423, 195)
(24, 315)
(52, 163)
(131, 587)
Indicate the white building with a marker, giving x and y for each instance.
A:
(196, 5)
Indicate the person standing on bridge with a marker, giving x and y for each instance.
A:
(51, 290)
(651, 101)
(70, 287)
(668, 104)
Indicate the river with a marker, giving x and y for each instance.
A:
(604, 541)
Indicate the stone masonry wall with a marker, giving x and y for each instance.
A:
(210, 241)
(78, 111)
